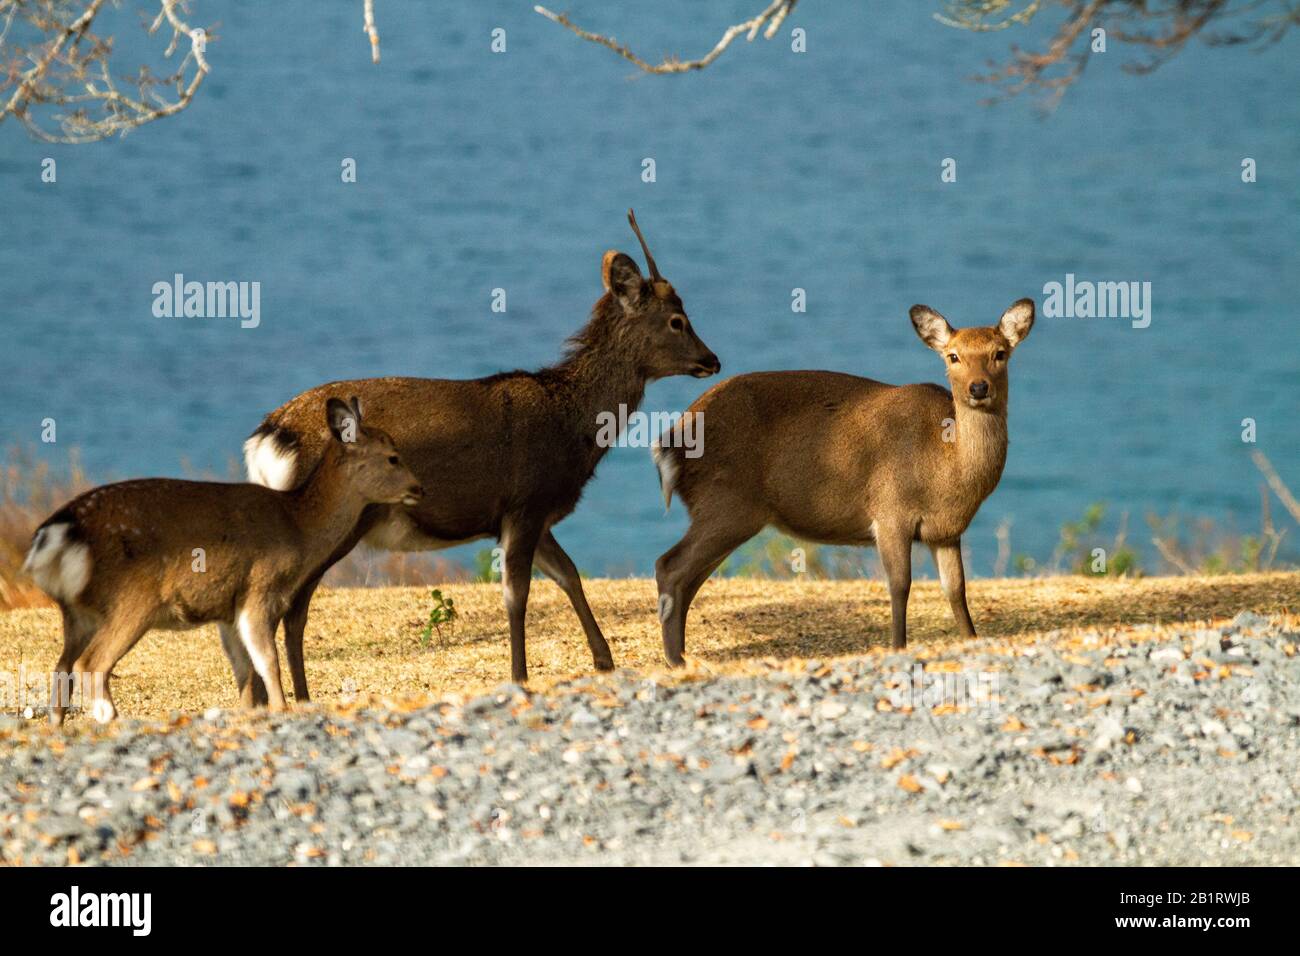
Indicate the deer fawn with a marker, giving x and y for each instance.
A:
(509, 454)
(158, 553)
(845, 460)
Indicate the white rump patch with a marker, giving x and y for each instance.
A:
(667, 465)
(267, 463)
(61, 568)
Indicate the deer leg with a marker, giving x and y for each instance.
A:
(952, 578)
(77, 629)
(682, 570)
(559, 567)
(295, 619)
(295, 627)
(252, 690)
(895, 545)
(520, 542)
(257, 632)
(109, 644)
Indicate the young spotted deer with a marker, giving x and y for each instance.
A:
(509, 454)
(159, 553)
(845, 460)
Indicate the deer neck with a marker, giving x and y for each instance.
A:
(325, 508)
(602, 376)
(981, 446)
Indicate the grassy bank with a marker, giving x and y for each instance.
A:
(369, 639)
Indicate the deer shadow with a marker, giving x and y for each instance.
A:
(816, 625)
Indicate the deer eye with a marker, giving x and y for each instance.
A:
(677, 323)
(952, 357)
(392, 459)
(1000, 355)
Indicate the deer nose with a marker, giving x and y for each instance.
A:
(706, 366)
(415, 491)
(979, 389)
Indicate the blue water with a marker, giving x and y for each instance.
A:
(774, 171)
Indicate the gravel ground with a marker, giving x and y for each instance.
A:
(1137, 746)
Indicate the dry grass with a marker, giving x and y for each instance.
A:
(368, 640)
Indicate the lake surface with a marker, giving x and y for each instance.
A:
(774, 171)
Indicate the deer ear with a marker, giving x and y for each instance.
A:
(932, 327)
(622, 277)
(356, 407)
(343, 420)
(1017, 321)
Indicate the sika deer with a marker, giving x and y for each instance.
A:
(839, 459)
(158, 553)
(509, 454)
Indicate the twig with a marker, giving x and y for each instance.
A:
(773, 15)
(1003, 536)
(975, 20)
(26, 84)
(1267, 529)
(1275, 482)
(369, 12)
(1169, 554)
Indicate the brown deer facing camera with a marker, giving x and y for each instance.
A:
(845, 460)
(509, 454)
(159, 553)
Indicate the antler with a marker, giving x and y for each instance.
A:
(649, 259)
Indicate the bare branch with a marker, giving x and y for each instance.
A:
(57, 61)
(773, 16)
(57, 76)
(1161, 28)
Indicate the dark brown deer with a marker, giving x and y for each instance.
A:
(839, 459)
(158, 553)
(504, 457)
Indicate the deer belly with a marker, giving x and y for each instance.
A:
(831, 528)
(399, 532)
(943, 529)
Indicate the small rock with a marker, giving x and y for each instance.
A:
(831, 709)
(1109, 732)
(1213, 728)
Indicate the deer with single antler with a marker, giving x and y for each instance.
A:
(838, 459)
(503, 457)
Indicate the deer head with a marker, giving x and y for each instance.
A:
(367, 457)
(655, 322)
(976, 358)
